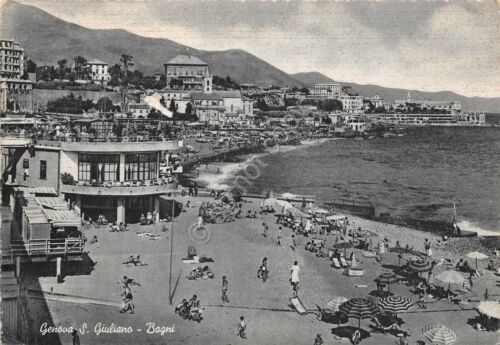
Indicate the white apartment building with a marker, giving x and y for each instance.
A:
(326, 91)
(351, 104)
(11, 71)
(98, 72)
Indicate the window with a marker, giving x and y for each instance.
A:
(141, 166)
(99, 167)
(43, 170)
(26, 163)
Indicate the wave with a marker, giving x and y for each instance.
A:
(221, 180)
(226, 171)
(468, 225)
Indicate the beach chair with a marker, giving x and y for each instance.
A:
(335, 263)
(298, 305)
(343, 262)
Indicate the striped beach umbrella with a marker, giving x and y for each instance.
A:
(420, 265)
(395, 304)
(335, 302)
(439, 334)
(359, 308)
(387, 278)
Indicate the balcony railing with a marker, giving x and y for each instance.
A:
(55, 247)
(128, 188)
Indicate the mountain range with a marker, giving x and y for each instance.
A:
(47, 39)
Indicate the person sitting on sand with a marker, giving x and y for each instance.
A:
(93, 240)
(249, 214)
(212, 193)
(308, 246)
(491, 266)
(142, 220)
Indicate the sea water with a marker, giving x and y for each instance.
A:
(420, 175)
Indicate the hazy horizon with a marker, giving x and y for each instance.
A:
(422, 45)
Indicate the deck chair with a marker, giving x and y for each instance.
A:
(335, 263)
(343, 262)
(298, 305)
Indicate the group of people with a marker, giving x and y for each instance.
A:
(149, 219)
(189, 309)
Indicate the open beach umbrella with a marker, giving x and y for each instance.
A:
(387, 278)
(476, 255)
(420, 265)
(335, 302)
(395, 304)
(277, 202)
(439, 334)
(359, 308)
(450, 277)
(489, 308)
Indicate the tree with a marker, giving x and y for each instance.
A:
(189, 110)
(126, 61)
(62, 66)
(104, 104)
(305, 90)
(172, 107)
(115, 70)
(326, 120)
(80, 63)
(30, 66)
(114, 81)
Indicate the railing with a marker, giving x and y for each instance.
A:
(57, 247)
(118, 189)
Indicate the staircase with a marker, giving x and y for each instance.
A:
(9, 288)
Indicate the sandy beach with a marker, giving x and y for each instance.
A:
(237, 249)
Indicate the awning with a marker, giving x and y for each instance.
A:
(62, 218)
(43, 190)
(51, 202)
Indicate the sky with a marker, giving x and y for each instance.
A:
(427, 45)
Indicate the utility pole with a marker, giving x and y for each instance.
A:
(170, 297)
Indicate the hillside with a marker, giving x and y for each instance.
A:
(47, 39)
(491, 105)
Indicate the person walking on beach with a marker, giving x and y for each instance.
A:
(266, 229)
(318, 340)
(127, 301)
(278, 237)
(294, 243)
(242, 327)
(295, 278)
(224, 289)
(263, 273)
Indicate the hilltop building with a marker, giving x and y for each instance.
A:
(11, 72)
(187, 72)
(98, 72)
(326, 91)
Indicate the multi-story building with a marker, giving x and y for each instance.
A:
(377, 101)
(449, 107)
(187, 72)
(209, 107)
(351, 104)
(139, 110)
(11, 72)
(118, 178)
(326, 91)
(98, 72)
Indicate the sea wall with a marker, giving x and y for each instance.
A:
(38, 98)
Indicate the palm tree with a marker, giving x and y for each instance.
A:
(62, 65)
(80, 62)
